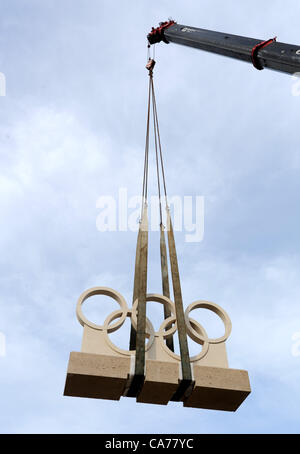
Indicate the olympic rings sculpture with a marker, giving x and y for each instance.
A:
(168, 327)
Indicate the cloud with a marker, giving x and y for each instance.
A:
(72, 130)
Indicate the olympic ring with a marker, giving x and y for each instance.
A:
(117, 314)
(157, 299)
(101, 291)
(167, 329)
(214, 308)
(198, 327)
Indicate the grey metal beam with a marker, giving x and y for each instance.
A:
(276, 56)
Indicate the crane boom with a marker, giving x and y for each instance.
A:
(262, 54)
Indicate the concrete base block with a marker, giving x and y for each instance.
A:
(96, 376)
(218, 389)
(161, 382)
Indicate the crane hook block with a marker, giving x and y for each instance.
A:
(150, 65)
(157, 34)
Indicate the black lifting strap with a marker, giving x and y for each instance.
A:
(187, 380)
(141, 289)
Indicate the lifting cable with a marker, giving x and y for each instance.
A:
(163, 248)
(138, 337)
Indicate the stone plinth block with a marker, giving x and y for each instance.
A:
(218, 388)
(96, 376)
(161, 382)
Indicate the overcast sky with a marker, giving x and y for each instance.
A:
(72, 129)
